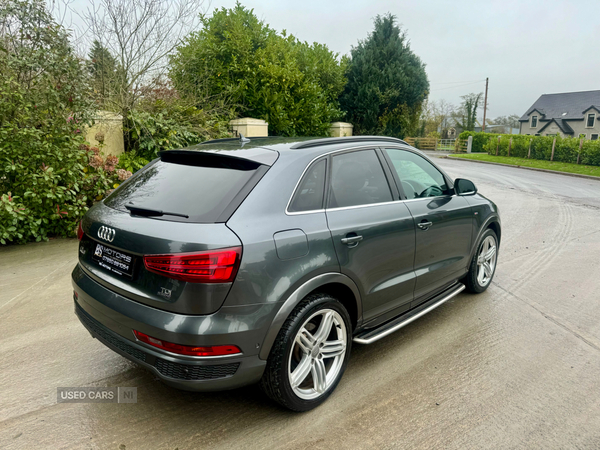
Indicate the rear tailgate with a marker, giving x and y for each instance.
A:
(181, 206)
(135, 237)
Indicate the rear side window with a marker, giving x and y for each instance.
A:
(309, 194)
(357, 178)
(201, 192)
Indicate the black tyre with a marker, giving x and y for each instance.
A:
(483, 265)
(310, 354)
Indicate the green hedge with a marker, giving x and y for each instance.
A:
(479, 139)
(566, 149)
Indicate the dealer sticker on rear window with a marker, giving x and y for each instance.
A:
(113, 260)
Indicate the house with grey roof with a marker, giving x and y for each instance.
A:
(573, 114)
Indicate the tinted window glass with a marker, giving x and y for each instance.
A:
(418, 176)
(357, 178)
(309, 195)
(202, 193)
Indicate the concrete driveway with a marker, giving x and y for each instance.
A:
(515, 367)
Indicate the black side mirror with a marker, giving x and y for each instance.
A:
(464, 187)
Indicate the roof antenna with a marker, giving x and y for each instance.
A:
(243, 140)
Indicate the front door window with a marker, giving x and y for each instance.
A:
(419, 178)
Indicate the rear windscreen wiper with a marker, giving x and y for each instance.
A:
(139, 211)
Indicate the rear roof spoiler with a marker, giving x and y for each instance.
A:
(235, 158)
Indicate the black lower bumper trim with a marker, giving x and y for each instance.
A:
(187, 372)
(168, 369)
(100, 332)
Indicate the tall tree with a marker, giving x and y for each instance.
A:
(103, 68)
(292, 85)
(387, 83)
(511, 121)
(437, 118)
(140, 35)
(468, 111)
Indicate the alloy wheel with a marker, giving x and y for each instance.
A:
(317, 354)
(486, 261)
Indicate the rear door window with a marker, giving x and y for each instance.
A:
(203, 193)
(357, 178)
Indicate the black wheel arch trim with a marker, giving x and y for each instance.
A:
(297, 296)
(493, 218)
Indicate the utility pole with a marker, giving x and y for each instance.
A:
(485, 104)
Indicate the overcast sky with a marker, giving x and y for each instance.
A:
(526, 48)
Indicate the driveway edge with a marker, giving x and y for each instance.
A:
(577, 175)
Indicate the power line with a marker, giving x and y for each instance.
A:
(458, 86)
(458, 82)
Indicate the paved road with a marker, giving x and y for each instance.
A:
(515, 367)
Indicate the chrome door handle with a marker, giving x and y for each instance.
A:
(424, 225)
(352, 240)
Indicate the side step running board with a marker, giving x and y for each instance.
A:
(370, 336)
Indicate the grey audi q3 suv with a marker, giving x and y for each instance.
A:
(239, 261)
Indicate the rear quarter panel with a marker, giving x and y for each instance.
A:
(264, 276)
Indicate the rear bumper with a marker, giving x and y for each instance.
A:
(110, 318)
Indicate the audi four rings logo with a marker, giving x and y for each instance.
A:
(108, 234)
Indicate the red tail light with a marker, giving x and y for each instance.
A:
(215, 350)
(214, 266)
(79, 231)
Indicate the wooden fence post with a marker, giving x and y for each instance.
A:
(498, 146)
(580, 147)
(509, 146)
(553, 145)
(436, 144)
(529, 152)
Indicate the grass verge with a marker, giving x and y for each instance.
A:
(534, 163)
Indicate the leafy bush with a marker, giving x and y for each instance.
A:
(565, 150)
(162, 121)
(590, 153)
(12, 216)
(152, 133)
(292, 85)
(131, 162)
(49, 176)
(479, 139)
(102, 174)
(43, 107)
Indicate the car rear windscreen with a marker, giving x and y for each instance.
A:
(203, 191)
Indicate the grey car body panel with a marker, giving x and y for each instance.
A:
(285, 257)
(485, 213)
(442, 251)
(291, 244)
(382, 263)
(244, 326)
(296, 297)
(140, 236)
(113, 315)
(262, 276)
